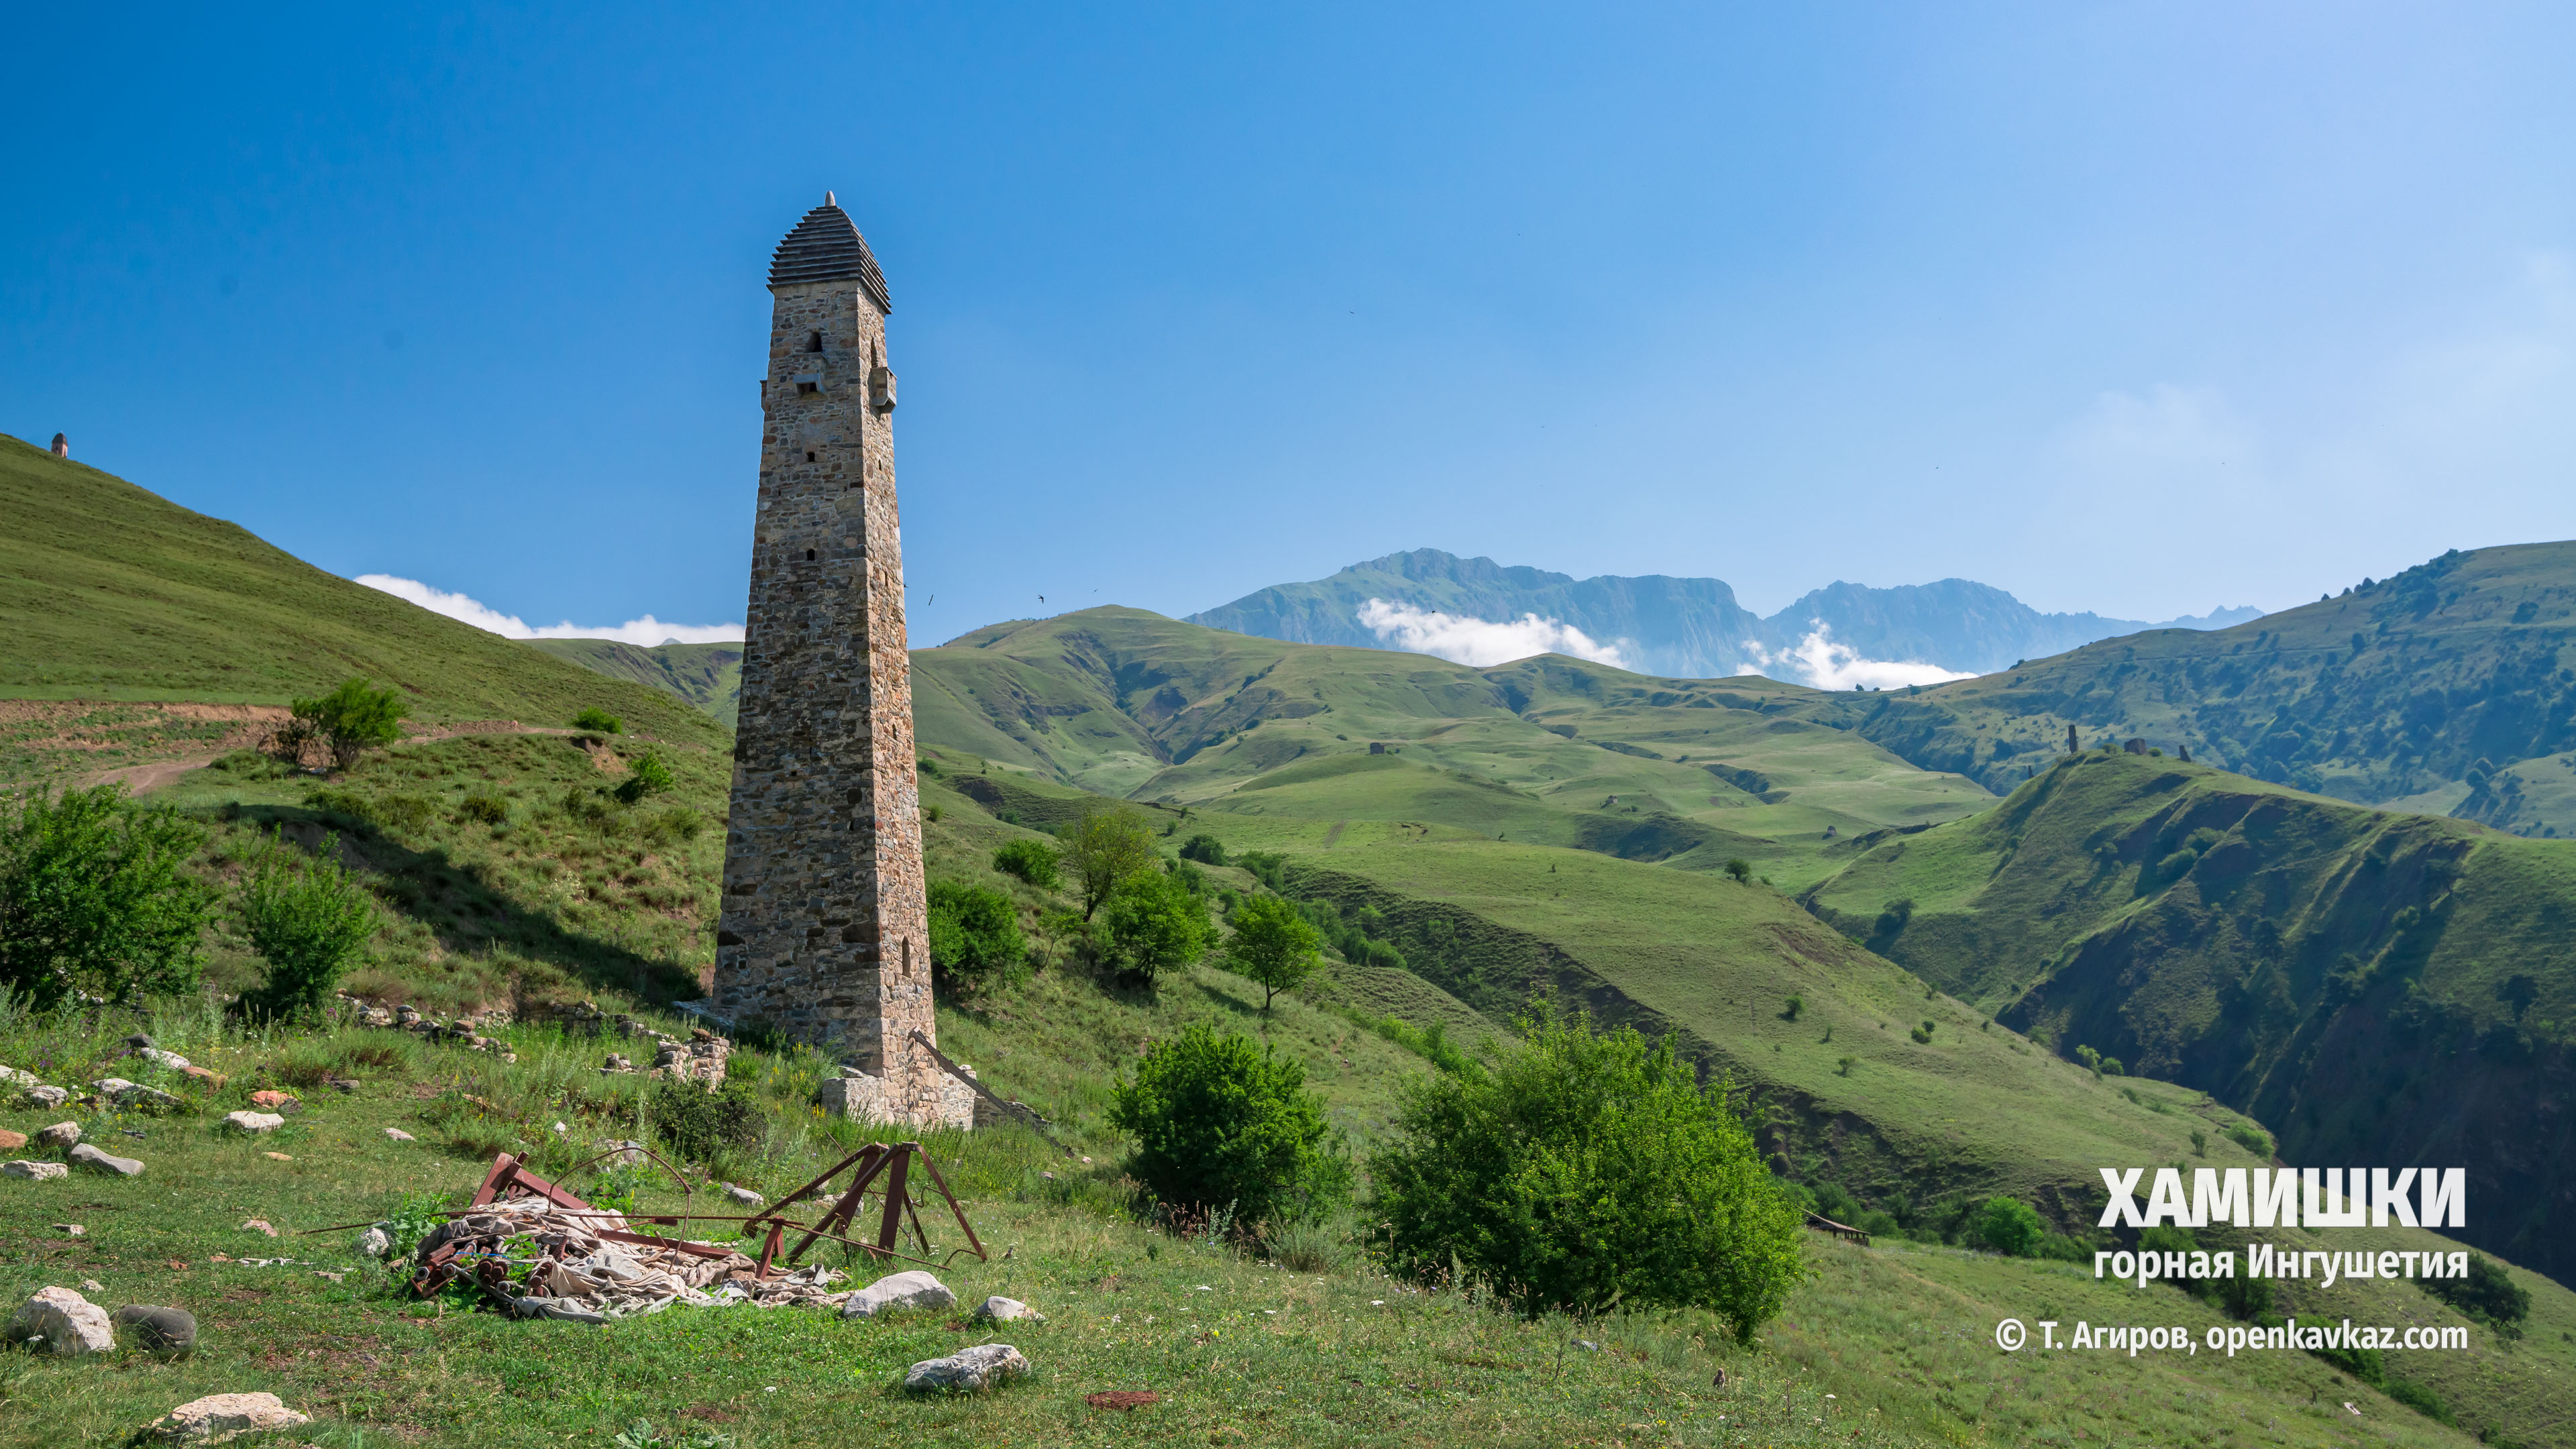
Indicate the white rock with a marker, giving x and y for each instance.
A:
(398, 1135)
(253, 1121)
(39, 1171)
(20, 1077)
(915, 1289)
(744, 1195)
(65, 1321)
(44, 1096)
(113, 1086)
(373, 1243)
(218, 1417)
(998, 1309)
(60, 1136)
(172, 1060)
(980, 1367)
(104, 1162)
(135, 1095)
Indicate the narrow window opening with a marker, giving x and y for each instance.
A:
(804, 388)
(809, 455)
(809, 555)
(813, 341)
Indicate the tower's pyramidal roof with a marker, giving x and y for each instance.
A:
(826, 247)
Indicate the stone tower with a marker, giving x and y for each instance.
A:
(824, 934)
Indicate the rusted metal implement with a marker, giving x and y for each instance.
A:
(1849, 1234)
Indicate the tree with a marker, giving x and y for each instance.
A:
(1586, 1169)
(974, 935)
(1221, 1123)
(1033, 861)
(1739, 870)
(1204, 848)
(1156, 924)
(92, 897)
(1104, 847)
(2010, 1227)
(309, 919)
(598, 721)
(648, 776)
(1274, 945)
(351, 718)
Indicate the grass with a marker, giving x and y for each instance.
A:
(1881, 1347)
(708, 676)
(111, 594)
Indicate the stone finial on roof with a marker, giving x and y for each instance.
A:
(826, 247)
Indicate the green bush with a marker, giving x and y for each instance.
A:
(1585, 1169)
(1033, 861)
(349, 805)
(485, 806)
(405, 812)
(598, 721)
(647, 777)
(975, 940)
(351, 718)
(1273, 945)
(2419, 1398)
(1104, 848)
(1221, 1123)
(698, 1124)
(1739, 870)
(1155, 924)
(92, 898)
(1204, 848)
(308, 919)
(2488, 1294)
(2011, 1227)
(2059, 1248)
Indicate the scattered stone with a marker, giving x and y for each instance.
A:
(171, 1060)
(398, 1135)
(341, 1084)
(258, 1225)
(998, 1309)
(276, 1102)
(616, 1064)
(915, 1289)
(64, 1321)
(975, 1368)
(158, 1330)
(91, 1157)
(92, 1285)
(134, 1096)
(277, 1157)
(140, 1042)
(625, 1151)
(1587, 1345)
(36, 1171)
(12, 1141)
(44, 1096)
(60, 1136)
(743, 1195)
(1122, 1399)
(218, 1417)
(373, 1243)
(253, 1121)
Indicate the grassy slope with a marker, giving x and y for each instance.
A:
(108, 592)
(2385, 695)
(2340, 973)
(708, 676)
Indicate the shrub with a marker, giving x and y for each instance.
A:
(647, 777)
(1923, 1033)
(92, 898)
(1221, 1123)
(975, 940)
(309, 920)
(598, 721)
(485, 806)
(1273, 945)
(351, 718)
(698, 1124)
(2246, 1299)
(2059, 1248)
(1155, 924)
(349, 805)
(2488, 1294)
(1739, 870)
(1204, 848)
(2419, 1398)
(1796, 1006)
(2010, 1227)
(1303, 1247)
(1104, 848)
(1585, 1169)
(405, 812)
(1033, 861)
(250, 765)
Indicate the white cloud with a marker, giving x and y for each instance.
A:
(644, 632)
(1820, 663)
(1480, 642)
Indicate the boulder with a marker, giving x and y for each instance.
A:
(36, 1171)
(87, 1156)
(158, 1330)
(43, 1096)
(743, 1195)
(374, 1243)
(12, 1141)
(396, 1134)
(980, 1367)
(276, 1102)
(139, 1042)
(217, 1417)
(171, 1060)
(258, 1225)
(64, 1321)
(896, 1292)
(253, 1121)
(998, 1309)
(135, 1097)
(60, 1136)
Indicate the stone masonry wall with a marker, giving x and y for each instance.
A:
(825, 933)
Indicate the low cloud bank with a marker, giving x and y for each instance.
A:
(1480, 642)
(644, 632)
(1820, 663)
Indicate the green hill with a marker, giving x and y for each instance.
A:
(111, 593)
(2450, 688)
(708, 676)
(2375, 986)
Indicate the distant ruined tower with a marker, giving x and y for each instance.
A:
(825, 934)
(62, 446)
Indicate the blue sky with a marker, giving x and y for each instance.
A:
(2140, 308)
